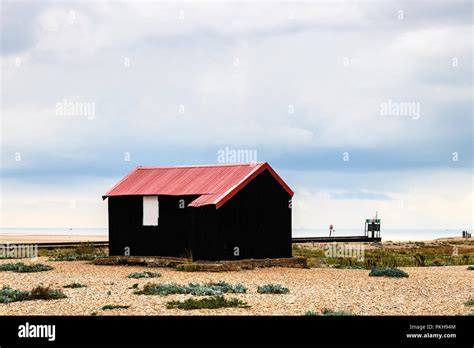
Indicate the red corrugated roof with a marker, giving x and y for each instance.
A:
(215, 184)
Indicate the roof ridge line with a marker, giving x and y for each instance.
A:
(203, 165)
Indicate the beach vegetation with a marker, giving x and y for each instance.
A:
(419, 259)
(208, 289)
(41, 292)
(137, 275)
(272, 289)
(113, 306)
(438, 263)
(328, 313)
(469, 302)
(71, 256)
(83, 252)
(74, 286)
(331, 313)
(20, 267)
(388, 272)
(207, 303)
(7, 294)
(402, 254)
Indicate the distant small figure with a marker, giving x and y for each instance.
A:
(331, 228)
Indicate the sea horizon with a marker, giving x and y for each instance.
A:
(396, 234)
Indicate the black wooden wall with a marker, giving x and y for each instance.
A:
(257, 220)
(171, 237)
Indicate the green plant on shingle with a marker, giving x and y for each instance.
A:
(7, 295)
(331, 313)
(69, 256)
(74, 286)
(328, 313)
(469, 302)
(137, 275)
(207, 303)
(10, 266)
(20, 267)
(438, 263)
(387, 272)
(109, 307)
(45, 293)
(419, 260)
(211, 289)
(84, 252)
(40, 292)
(87, 248)
(272, 289)
(74, 256)
(208, 289)
(160, 289)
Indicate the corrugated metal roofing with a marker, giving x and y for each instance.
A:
(215, 184)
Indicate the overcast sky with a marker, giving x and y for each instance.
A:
(306, 86)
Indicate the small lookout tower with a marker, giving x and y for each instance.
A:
(372, 227)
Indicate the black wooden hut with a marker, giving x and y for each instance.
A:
(210, 212)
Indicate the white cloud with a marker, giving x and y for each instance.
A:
(187, 58)
(423, 199)
(76, 203)
(80, 51)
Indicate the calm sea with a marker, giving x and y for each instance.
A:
(386, 234)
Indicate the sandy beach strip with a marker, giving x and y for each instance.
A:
(427, 291)
(31, 239)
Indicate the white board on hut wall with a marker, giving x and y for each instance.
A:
(150, 210)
